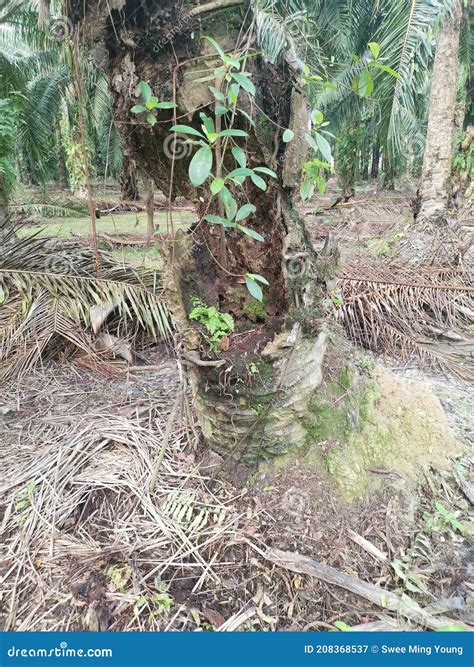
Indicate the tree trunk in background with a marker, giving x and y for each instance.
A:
(435, 187)
(150, 208)
(252, 405)
(128, 179)
(374, 169)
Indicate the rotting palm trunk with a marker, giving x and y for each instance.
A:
(436, 175)
(251, 400)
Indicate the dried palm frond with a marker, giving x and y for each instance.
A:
(78, 499)
(49, 207)
(423, 313)
(24, 343)
(48, 291)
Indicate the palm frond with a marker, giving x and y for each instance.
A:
(409, 313)
(34, 273)
(275, 28)
(47, 206)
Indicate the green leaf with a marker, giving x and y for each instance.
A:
(220, 110)
(232, 133)
(233, 93)
(229, 202)
(321, 184)
(311, 141)
(306, 189)
(233, 62)
(375, 49)
(239, 156)
(385, 68)
(200, 166)
(258, 181)
(355, 84)
(317, 117)
(244, 212)
(254, 288)
(249, 118)
(152, 102)
(217, 185)
(217, 94)
(265, 170)
(145, 90)
(244, 81)
(138, 109)
(187, 129)
(208, 123)
(260, 279)
(151, 119)
(166, 105)
(218, 220)
(215, 45)
(323, 146)
(250, 232)
(240, 171)
(366, 84)
(288, 135)
(343, 627)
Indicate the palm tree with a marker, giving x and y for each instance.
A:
(405, 33)
(36, 76)
(435, 190)
(263, 415)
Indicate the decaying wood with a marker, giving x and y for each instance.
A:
(367, 546)
(379, 596)
(466, 487)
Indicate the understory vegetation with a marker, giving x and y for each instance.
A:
(236, 314)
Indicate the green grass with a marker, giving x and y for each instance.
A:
(121, 223)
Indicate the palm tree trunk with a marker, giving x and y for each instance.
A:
(150, 209)
(128, 179)
(436, 175)
(374, 169)
(250, 401)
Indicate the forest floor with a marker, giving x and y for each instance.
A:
(92, 546)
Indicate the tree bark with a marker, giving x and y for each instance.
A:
(150, 209)
(436, 174)
(251, 405)
(128, 179)
(374, 169)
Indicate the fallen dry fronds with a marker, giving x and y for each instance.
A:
(79, 500)
(423, 313)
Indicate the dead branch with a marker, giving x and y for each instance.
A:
(379, 596)
(466, 487)
(212, 6)
(195, 359)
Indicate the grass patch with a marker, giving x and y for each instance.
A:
(120, 223)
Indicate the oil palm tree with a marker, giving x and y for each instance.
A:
(406, 35)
